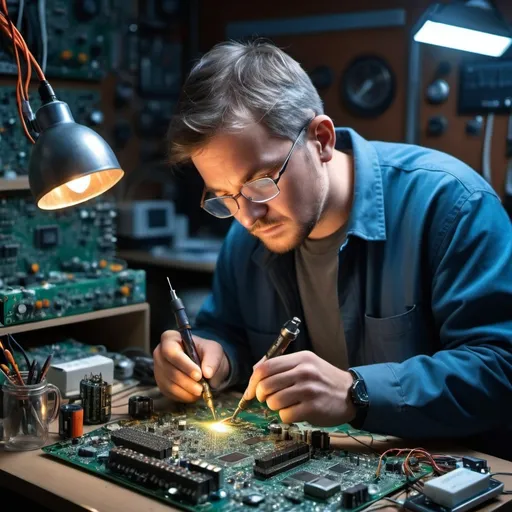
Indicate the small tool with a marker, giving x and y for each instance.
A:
(188, 344)
(289, 333)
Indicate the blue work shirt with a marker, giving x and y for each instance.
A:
(425, 294)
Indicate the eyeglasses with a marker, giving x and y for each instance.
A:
(259, 190)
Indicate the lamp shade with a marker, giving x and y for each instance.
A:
(474, 26)
(70, 163)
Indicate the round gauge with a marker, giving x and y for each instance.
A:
(368, 86)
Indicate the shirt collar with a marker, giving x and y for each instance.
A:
(367, 218)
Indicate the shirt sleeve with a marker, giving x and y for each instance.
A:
(466, 387)
(220, 319)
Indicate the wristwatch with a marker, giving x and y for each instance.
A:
(359, 397)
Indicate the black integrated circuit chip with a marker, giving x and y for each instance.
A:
(304, 476)
(233, 457)
(46, 237)
(322, 488)
(340, 468)
(254, 440)
(143, 442)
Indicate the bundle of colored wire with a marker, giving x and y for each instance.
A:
(420, 454)
(22, 85)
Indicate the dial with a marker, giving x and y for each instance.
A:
(368, 86)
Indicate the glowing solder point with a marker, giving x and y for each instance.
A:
(219, 427)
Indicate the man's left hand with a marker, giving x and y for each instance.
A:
(303, 387)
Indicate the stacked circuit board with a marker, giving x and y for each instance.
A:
(62, 262)
(184, 459)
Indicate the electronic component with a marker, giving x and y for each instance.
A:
(368, 86)
(143, 442)
(71, 421)
(281, 460)
(87, 451)
(422, 503)
(454, 487)
(475, 464)
(253, 499)
(140, 407)
(354, 496)
(68, 376)
(96, 397)
(320, 440)
(215, 472)
(394, 465)
(152, 221)
(340, 468)
(156, 473)
(484, 87)
(322, 488)
(233, 457)
(304, 476)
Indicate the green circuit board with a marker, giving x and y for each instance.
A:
(321, 478)
(34, 242)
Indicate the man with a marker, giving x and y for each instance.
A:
(397, 258)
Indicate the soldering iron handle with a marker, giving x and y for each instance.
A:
(189, 346)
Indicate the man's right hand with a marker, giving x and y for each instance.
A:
(177, 375)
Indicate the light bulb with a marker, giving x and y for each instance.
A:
(79, 185)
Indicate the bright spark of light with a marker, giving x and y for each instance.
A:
(219, 427)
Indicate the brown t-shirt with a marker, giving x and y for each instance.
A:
(317, 276)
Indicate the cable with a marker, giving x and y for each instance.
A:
(486, 154)
(21, 8)
(363, 443)
(503, 473)
(41, 10)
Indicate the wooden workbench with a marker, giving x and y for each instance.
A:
(60, 487)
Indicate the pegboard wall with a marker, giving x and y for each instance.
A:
(322, 37)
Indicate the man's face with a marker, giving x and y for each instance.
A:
(283, 223)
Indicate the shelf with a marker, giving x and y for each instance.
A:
(177, 261)
(132, 329)
(20, 183)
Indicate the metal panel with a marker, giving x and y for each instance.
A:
(315, 24)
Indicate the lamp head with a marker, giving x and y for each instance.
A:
(70, 163)
(474, 26)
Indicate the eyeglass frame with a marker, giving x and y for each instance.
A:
(266, 177)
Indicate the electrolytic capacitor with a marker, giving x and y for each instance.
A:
(96, 396)
(71, 421)
(140, 407)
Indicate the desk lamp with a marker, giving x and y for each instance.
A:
(472, 25)
(69, 163)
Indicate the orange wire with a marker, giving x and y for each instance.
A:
(22, 89)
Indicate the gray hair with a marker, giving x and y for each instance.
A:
(236, 84)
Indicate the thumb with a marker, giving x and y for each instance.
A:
(211, 355)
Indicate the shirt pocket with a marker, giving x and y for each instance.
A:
(259, 343)
(394, 338)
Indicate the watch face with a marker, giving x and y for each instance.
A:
(360, 393)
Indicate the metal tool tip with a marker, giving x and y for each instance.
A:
(170, 285)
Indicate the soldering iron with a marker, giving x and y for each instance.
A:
(185, 330)
(289, 333)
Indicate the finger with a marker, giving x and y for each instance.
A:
(271, 385)
(211, 355)
(169, 373)
(285, 398)
(271, 367)
(175, 392)
(264, 358)
(297, 412)
(172, 351)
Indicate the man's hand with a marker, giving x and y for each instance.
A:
(177, 375)
(303, 387)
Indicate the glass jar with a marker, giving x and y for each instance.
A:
(26, 414)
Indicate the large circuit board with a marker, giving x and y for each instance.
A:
(184, 459)
(61, 263)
